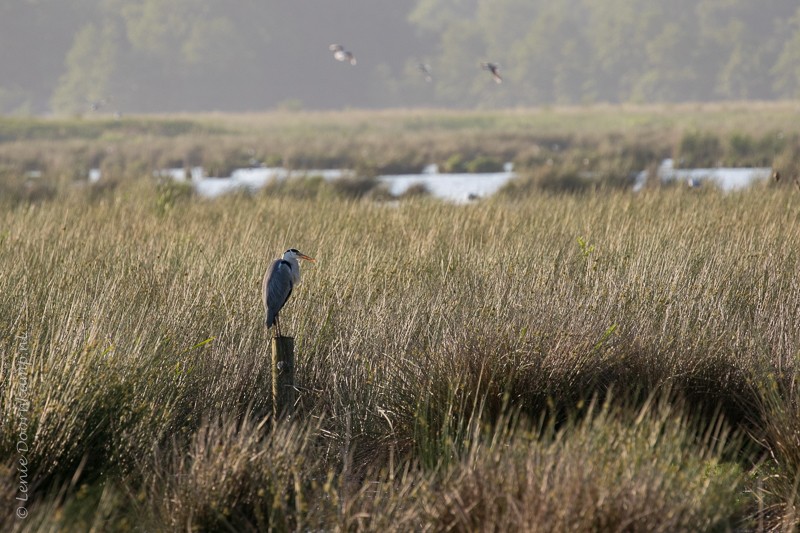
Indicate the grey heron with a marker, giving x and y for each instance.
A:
(281, 277)
(494, 68)
(340, 54)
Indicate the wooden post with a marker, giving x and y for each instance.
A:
(283, 391)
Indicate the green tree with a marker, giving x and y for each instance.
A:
(172, 55)
(438, 15)
(552, 61)
(619, 31)
(459, 63)
(504, 24)
(187, 46)
(34, 36)
(747, 38)
(90, 68)
(671, 60)
(786, 71)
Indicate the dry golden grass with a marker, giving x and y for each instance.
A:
(545, 360)
(447, 358)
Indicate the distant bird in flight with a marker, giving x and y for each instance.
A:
(494, 68)
(95, 105)
(281, 277)
(425, 69)
(340, 54)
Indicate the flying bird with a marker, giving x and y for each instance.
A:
(281, 277)
(340, 54)
(425, 69)
(95, 105)
(494, 68)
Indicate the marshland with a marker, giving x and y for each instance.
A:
(563, 355)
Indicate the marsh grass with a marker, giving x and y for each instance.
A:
(610, 142)
(564, 356)
(593, 361)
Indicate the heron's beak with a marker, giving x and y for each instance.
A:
(307, 258)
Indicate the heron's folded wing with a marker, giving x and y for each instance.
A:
(277, 286)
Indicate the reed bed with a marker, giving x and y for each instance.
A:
(603, 140)
(541, 362)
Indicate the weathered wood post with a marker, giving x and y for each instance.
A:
(283, 391)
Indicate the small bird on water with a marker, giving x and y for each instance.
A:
(281, 277)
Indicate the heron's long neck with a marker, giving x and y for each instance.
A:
(295, 270)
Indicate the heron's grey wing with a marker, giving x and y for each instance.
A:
(277, 288)
(268, 275)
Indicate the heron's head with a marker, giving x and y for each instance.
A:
(294, 253)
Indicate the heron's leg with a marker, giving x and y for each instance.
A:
(277, 327)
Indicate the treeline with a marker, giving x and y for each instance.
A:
(575, 51)
(194, 55)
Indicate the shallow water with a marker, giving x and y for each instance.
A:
(243, 179)
(726, 178)
(452, 187)
(457, 188)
